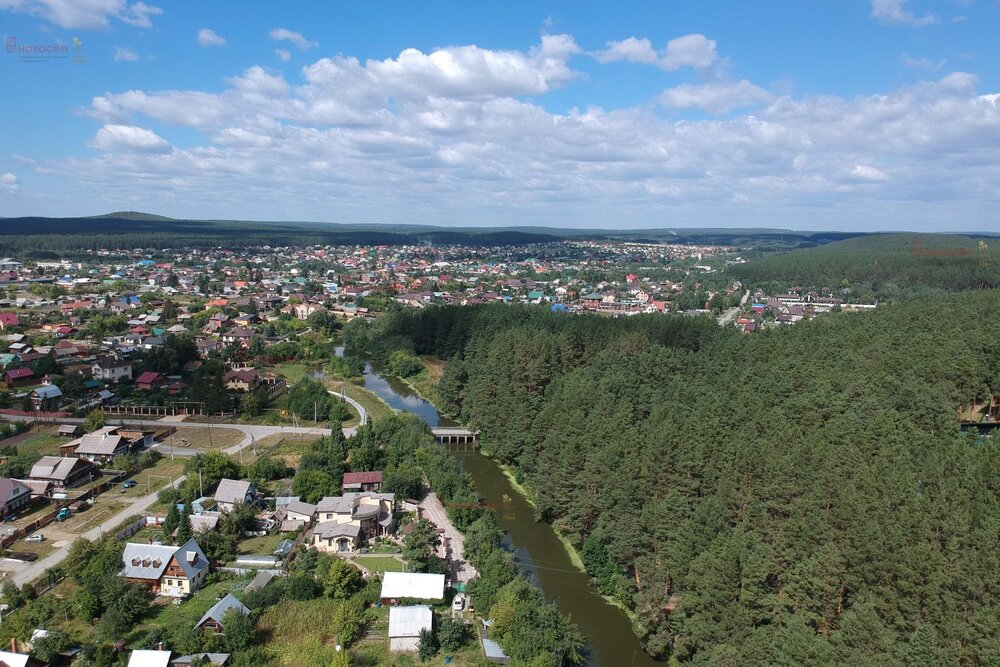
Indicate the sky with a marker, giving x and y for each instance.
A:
(855, 115)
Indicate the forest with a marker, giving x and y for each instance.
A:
(888, 265)
(803, 496)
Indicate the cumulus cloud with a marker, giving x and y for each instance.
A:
(451, 134)
(715, 97)
(894, 12)
(85, 14)
(208, 37)
(125, 54)
(695, 50)
(111, 138)
(296, 38)
(8, 181)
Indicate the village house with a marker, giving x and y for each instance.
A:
(105, 444)
(62, 472)
(17, 377)
(46, 397)
(112, 369)
(166, 570)
(244, 380)
(150, 381)
(363, 481)
(294, 515)
(9, 321)
(232, 492)
(212, 621)
(14, 496)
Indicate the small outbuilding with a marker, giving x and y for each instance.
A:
(405, 624)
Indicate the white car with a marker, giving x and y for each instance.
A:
(458, 604)
(37, 537)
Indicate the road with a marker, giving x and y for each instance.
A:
(37, 569)
(728, 316)
(454, 540)
(251, 433)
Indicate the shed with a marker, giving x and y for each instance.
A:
(412, 585)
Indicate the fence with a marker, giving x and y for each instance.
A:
(131, 529)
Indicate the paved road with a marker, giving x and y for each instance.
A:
(37, 569)
(728, 316)
(435, 512)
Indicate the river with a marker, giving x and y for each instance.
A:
(540, 554)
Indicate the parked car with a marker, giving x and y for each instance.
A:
(458, 604)
(63, 514)
(129, 483)
(37, 537)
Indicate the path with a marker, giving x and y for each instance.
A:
(434, 511)
(728, 316)
(37, 569)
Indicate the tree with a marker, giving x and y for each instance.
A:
(348, 621)
(427, 647)
(171, 521)
(184, 530)
(420, 546)
(240, 632)
(452, 633)
(342, 580)
(95, 420)
(124, 602)
(404, 363)
(49, 646)
(313, 485)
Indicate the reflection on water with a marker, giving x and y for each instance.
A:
(610, 640)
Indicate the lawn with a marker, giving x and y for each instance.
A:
(381, 564)
(300, 632)
(288, 446)
(263, 546)
(293, 372)
(376, 407)
(44, 443)
(164, 612)
(104, 508)
(205, 438)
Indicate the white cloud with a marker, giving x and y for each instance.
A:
(448, 135)
(715, 97)
(925, 64)
(296, 38)
(208, 37)
(85, 14)
(283, 54)
(125, 54)
(8, 181)
(112, 138)
(695, 51)
(894, 12)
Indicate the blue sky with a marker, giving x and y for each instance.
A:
(806, 114)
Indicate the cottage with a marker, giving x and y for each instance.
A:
(18, 377)
(112, 369)
(244, 380)
(212, 621)
(405, 625)
(231, 492)
(69, 430)
(63, 473)
(411, 586)
(349, 520)
(14, 496)
(9, 321)
(294, 515)
(363, 481)
(150, 381)
(166, 570)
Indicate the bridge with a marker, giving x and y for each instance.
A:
(455, 435)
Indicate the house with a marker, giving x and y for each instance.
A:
(262, 579)
(213, 619)
(18, 376)
(112, 369)
(39, 488)
(405, 625)
(203, 523)
(63, 473)
(46, 397)
(231, 492)
(347, 521)
(145, 658)
(100, 446)
(14, 496)
(69, 430)
(411, 586)
(244, 380)
(294, 515)
(363, 481)
(150, 381)
(166, 570)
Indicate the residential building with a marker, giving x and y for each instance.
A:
(363, 481)
(46, 397)
(63, 473)
(167, 570)
(14, 496)
(150, 381)
(231, 492)
(112, 369)
(347, 521)
(213, 619)
(411, 586)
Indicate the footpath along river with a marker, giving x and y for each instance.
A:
(537, 549)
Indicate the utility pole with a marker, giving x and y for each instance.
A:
(201, 488)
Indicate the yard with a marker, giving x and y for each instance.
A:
(287, 446)
(164, 613)
(262, 546)
(104, 508)
(204, 438)
(377, 564)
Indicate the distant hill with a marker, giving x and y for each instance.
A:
(131, 215)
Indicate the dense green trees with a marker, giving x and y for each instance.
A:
(798, 497)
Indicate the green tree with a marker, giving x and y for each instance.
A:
(427, 647)
(240, 631)
(420, 546)
(452, 633)
(342, 580)
(95, 420)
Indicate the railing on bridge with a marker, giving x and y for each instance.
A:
(447, 435)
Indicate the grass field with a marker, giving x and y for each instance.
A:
(376, 407)
(104, 508)
(263, 546)
(289, 446)
(426, 381)
(206, 438)
(381, 564)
